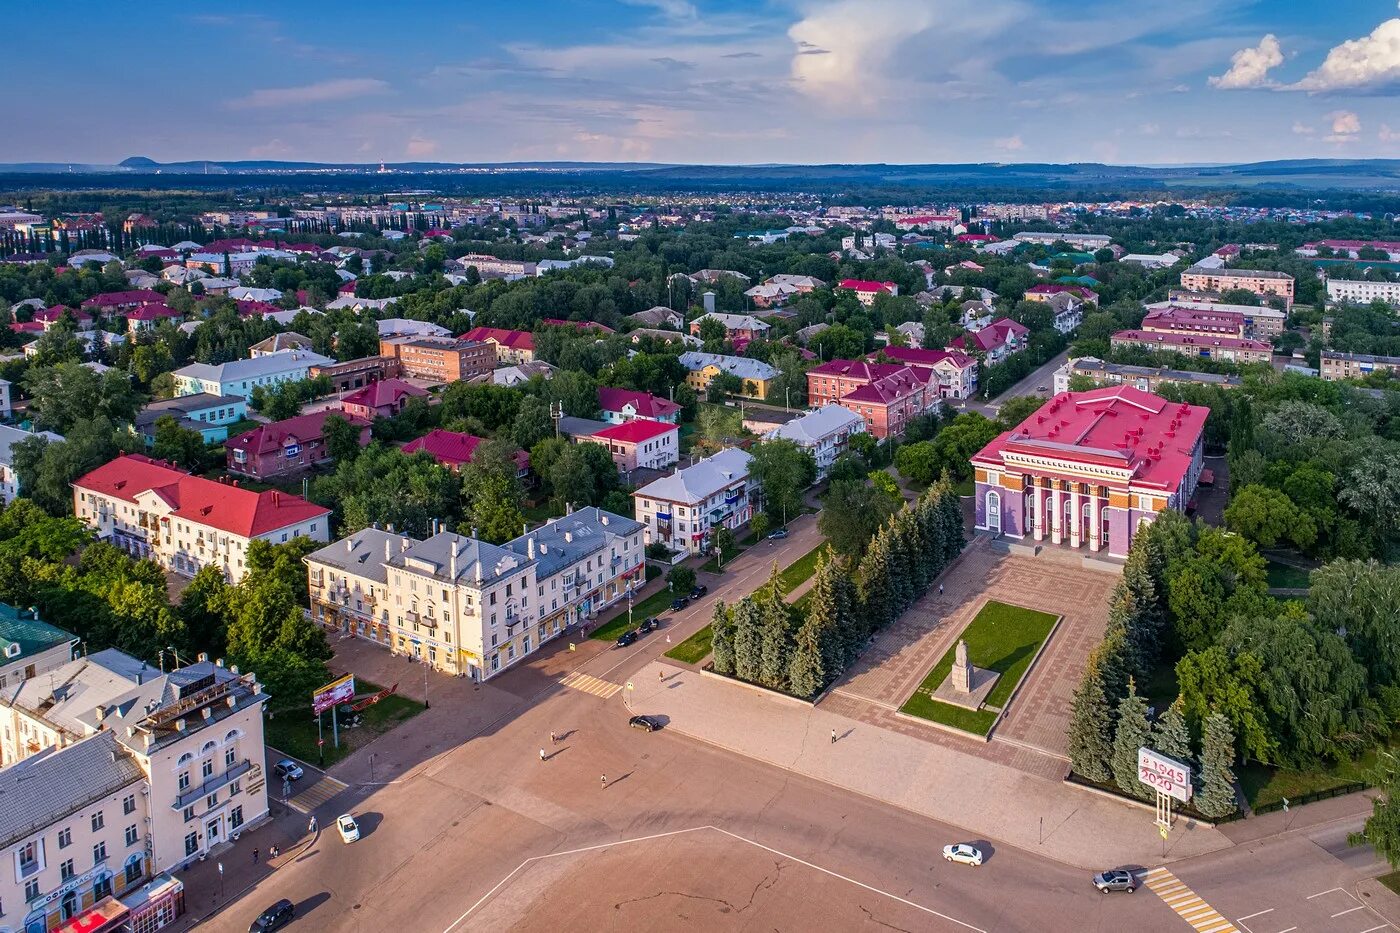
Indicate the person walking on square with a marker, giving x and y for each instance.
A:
(541, 754)
(255, 855)
(552, 739)
(604, 779)
(833, 736)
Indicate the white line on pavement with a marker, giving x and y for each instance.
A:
(1349, 910)
(1320, 893)
(678, 832)
(1374, 929)
(1289, 930)
(1257, 913)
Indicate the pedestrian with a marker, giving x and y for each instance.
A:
(833, 736)
(273, 851)
(552, 739)
(605, 781)
(255, 855)
(660, 675)
(940, 589)
(541, 754)
(311, 827)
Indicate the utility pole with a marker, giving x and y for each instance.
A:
(556, 413)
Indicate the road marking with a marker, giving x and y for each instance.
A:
(1349, 910)
(590, 684)
(317, 794)
(1257, 913)
(679, 832)
(1383, 926)
(1187, 904)
(1320, 893)
(1289, 930)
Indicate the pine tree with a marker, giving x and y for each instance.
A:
(1132, 733)
(954, 536)
(931, 531)
(1091, 725)
(722, 642)
(777, 640)
(748, 639)
(1217, 796)
(1170, 736)
(819, 654)
(807, 671)
(851, 633)
(901, 565)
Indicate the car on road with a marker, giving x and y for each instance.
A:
(778, 535)
(679, 603)
(698, 590)
(349, 829)
(287, 770)
(645, 723)
(962, 852)
(1117, 879)
(649, 624)
(626, 639)
(1042, 388)
(274, 918)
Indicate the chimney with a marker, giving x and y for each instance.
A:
(101, 712)
(452, 561)
(530, 547)
(388, 548)
(218, 662)
(202, 657)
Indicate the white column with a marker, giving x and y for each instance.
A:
(1057, 512)
(1038, 497)
(1095, 519)
(1077, 519)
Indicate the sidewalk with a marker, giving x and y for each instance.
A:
(208, 891)
(1005, 804)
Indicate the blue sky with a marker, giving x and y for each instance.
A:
(708, 81)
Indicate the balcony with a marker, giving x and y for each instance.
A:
(232, 773)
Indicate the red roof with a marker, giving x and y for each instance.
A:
(453, 448)
(53, 313)
(925, 357)
(976, 238)
(1116, 426)
(112, 299)
(381, 393)
(151, 312)
(634, 431)
(266, 438)
(578, 325)
(1389, 246)
(645, 404)
(514, 339)
(856, 369)
(196, 499)
(865, 285)
(27, 327)
(1180, 320)
(888, 389)
(248, 308)
(994, 335)
(1193, 341)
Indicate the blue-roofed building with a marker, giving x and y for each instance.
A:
(30, 646)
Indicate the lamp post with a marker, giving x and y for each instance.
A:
(426, 704)
(371, 767)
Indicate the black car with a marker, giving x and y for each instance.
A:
(627, 638)
(698, 590)
(274, 918)
(679, 603)
(647, 723)
(649, 624)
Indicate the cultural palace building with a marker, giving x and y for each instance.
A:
(1089, 468)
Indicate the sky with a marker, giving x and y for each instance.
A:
(703, 81)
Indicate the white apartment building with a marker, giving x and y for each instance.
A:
(9, 479)
(240, 377)
(682, 509)
(1361, 292)
(822, 432)
(1084, 241)
(182, 522)
(472, 608)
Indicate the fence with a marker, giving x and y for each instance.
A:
(1341, 790)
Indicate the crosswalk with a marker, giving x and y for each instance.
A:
(316, 794)
(589, 684)
(1189, 905)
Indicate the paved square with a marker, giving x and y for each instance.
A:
(1036, 720)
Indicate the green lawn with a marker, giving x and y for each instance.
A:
(800, 570)
(653, 605)
(1264, 785)
(1282, 576)
(965, 487)
(1001, 638)
(294, 732)
(694, 649)
(712, 565)
(1391, 880)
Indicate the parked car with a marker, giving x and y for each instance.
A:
(649, 624)
(626, 638)
(778, 535)
(287, 770)
(964, 853)
(679, 603)
(274, 918)
(698, 590)
(646, 723)
(349, 829)
(1116, 879)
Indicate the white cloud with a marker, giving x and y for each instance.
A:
(1150, 129)
(1302, 129)
(1010, 143)
(1345, 127)
(318, 93)
(1387, 135)
(1250, 67)
(676, 9)
(1371, 63)
(420, 147)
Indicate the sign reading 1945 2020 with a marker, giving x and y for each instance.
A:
(1166, 775)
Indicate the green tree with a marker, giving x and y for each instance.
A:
(1265, 516)
(583, 475)
(784, 471)
(920, 463)
(1132, 732)
(1359, 598)
(342, 438)
(203, 608)
(722, 640)
(748, 639)
(1170, 735)
(576, 391)
(179, 445)
(1217, 797)
(1212, 682)
(723, 542)
(681, 579)
(532, 423)
(777, 643)
(1091, 725)
(1015, 410)
(492, 491)
(759, 525)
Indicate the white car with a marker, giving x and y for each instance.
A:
(350, 830)
(962, 852)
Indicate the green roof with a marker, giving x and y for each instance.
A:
(20, 627)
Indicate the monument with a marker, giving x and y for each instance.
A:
(966, 684)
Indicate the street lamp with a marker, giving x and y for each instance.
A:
(371, 767)
(426, 704)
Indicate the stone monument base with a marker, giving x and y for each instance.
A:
(982, 682)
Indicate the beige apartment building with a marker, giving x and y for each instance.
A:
(1335, 365)
(440, 359)
(1259, 281)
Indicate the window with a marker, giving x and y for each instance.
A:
(99, 852)
(65, 869)
(188, 814)
(211, 801)
(31, 889)
(131, 835)
(233, 788)
(102, 887)
(235, 817)
(97, 821)
(206, 769)
(65, 837)
(129, 804)
(133, 871)
(184, 782)
(191, 843)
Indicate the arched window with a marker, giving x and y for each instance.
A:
(208, 747)
(187, 756)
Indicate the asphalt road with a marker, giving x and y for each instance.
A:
(1043, 375)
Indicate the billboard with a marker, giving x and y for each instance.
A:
(1164, 774)
(337, 691)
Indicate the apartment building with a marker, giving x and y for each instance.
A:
(287, 447)
(1233, 349)
(640, 442)
(1084, 241)
(1362, 292)
(1178, 320)
(1335, 365)
(823, 432)
(490, 266)
(9, 478)
(703, 368)
(440, 359)
(356, 374)
(29, 646)
(153, 510)
(1260, 323)
(955, 371)
(472, 608)
(241, 377)
(1259, 281)
(743, 327)
(1143, 378)
(682, 510)
(512, 346)
(210, 415)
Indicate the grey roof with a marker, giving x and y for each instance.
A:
(286, 340)
(239, 370)
(182, 405)
(1228, 273)
(581, 427)
(86, 772)
(10, 436)
(1093, 364)
(156, 692)
(588, 528)
(701, 480)
(65, 694)
(397, 327)
(817, 424)
(362, 553)
(33, 635)
(460, 559)
(740, 366)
